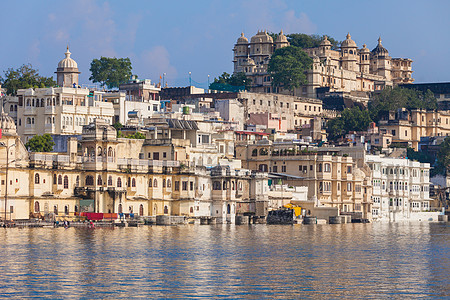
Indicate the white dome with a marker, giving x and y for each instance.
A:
(67, 62)
(7, 124)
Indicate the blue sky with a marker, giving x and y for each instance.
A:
(178, 37)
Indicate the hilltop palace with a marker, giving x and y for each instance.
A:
(348, 69)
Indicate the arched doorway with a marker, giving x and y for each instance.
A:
(120, 208)
(141, 210)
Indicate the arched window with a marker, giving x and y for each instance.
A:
(55, 209)
(169, 183)
(150, 183)
(59, 179)
(77, 181)
(166, 210)
(36, 207)
(66, 182)
(254, 152)
(133, 182)
(11, 108)
(99, 180)
(119, 182)
(233, 186)
(224, 185)
(28, 121)
(164, 183)
(155, 183)
(110, 180)
(89, 180)
(99, 151)
(110, 152)
(320, 168)
(36, 178)
(141, 210)
(66, 209)
(216, 185)
(120, 207)
(54, 178)
(228, 209)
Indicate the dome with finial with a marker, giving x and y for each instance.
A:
(242, 39)
(261, 37)
(67, 62)
(8, 125)
(348, 43)
(325, 41)
(281, 38)
(364, 49)
(379, 50)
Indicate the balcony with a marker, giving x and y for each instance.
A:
(50, 110)
(29, 110)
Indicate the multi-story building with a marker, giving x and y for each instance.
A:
(408, 127)
(60, 110)
(400, 189)
(348, 69)
(333, 180)
(105, 174)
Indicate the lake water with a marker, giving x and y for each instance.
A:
(409, 260)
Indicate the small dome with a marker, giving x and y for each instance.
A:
(281, 38)
(325, 42)
(364, 49)
(261, 37)
(8, 125)
(248, 62)
(348, 43)
(242, 39)
(315, 58)
(67, 62)
(379, 50)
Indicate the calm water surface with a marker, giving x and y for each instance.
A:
(410, 260)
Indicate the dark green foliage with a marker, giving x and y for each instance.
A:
(23, 78)
(110, 71)
(395, 98)
(40, 143)
(443, 158)
(117, 125)
(288, 65)
(352, 119)
(227, 82)
(310, 41)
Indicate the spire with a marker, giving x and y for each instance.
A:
(242, 34)
(67, 52)
(348, 36)
(281, 32)
(379, 40)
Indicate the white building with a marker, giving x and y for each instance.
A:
(60, 110)
(400, 189)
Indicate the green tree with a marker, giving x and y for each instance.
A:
(110, 72)
(310, 41)
(23, 78)
(397, 97)
(227, 82)
(351, 119)
(288, 66)
(136, 135)
(443, 158)
(40, 143)
(118, 125)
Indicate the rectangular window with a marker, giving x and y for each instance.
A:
(155, 155)
(191, 185)
(185, 185)
(177, 185)
(164, 154)
(349, 187)
(283, 168)
(349, 169)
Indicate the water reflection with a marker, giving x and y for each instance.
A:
(346, 261)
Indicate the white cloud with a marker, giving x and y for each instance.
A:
(301, 24)
(153, 63)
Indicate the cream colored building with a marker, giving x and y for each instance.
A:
(60, 110)
(349, 69)
(333, 180)
(105, 174)
(407, 127)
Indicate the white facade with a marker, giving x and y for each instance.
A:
(400, 188)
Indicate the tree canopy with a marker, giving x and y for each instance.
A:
(310, 41)
(110, 72)
(351, 119)
(443, 158)
(40, 143)
(227, 82)
(397, 97)
(24, 77)
(287, 67)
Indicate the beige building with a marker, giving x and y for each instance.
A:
(105, 174)
(333, 180)
(349, 69)
(407, 127)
